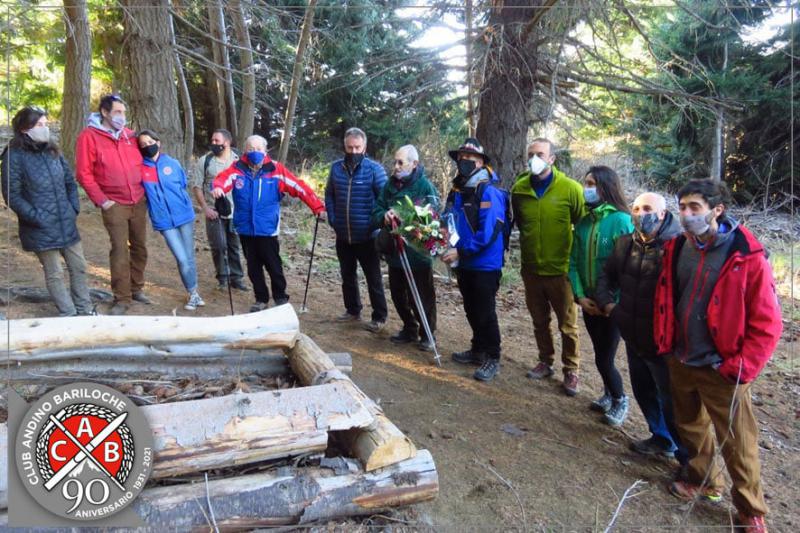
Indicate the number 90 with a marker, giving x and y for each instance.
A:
(79, 493)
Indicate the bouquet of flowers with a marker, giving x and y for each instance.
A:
(421, 227)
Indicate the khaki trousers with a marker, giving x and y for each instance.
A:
(127, 229)
(546, 293)
(702, 398)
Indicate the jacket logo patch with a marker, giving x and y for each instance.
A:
(485, 205)
(167, 171)
(239, 183)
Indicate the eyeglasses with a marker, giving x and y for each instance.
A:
(399, 162)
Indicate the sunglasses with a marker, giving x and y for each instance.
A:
(399, 162)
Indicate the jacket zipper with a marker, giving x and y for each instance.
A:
(347, 208)
(58, 202)
(590, 245)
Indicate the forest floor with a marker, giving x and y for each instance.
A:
(510, 454)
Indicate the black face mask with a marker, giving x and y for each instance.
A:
(466, 168)
(149, 152)
(353, 160)
(217, 149)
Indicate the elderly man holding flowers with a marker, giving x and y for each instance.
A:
(407, 206)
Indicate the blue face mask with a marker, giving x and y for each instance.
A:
(590, 195)
(255, 158)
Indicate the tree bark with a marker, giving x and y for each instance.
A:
(77, 76)
(297, 78)
(469, 74)
(507, 95)
(216, 76)
(248, 111)
(186, 103)
(150, 60)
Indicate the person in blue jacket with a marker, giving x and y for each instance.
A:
(170, 208)
(479, 212)
(354, 184)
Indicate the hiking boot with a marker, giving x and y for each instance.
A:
(347, 317)
(403, 337)
(258, 306)
(141, 297)
(753, 524)
(281, 301)
(425, 345)
(649, 447)
(487, 370)
(118, 308)
(686, 491)
(194, 302)
(469, 357)
(239, 285)
(375, 326)
(222, 286)
(571, 385)
(602, 404)
(618, 412)
(540, 371)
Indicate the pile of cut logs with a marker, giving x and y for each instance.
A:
(355, 460)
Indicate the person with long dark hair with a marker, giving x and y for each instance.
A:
(607, 219)
(39, 186)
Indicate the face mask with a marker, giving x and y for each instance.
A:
(118, 122)
(591, 195)
(403, 173)
(697, 224)
(466, 168)
(646, 224)
(536, 165)
(149, 152)
(255, 158)
(217, 149)
(39, 134)
(353, 160)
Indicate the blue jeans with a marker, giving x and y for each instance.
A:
(650, 384)
(180, 241)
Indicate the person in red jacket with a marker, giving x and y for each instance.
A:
(108, 166)
(717, 316)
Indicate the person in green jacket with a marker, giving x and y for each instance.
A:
(546, 204)
(408, 180)
(608, 218)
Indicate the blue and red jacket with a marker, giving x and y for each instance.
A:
(257, 196)
(744, 317)
(164, 184)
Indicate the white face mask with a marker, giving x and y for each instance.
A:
(39, 134)
(536, 165)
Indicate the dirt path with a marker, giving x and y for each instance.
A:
(567, 469)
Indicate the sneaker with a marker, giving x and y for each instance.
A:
(753, 524)
(469, 357)
(618, 412)
(602, 404)
(258, 306)
(194, 302)
(571, 384)
(239, 285)
(222, 286)
(347, 317)
(688, 492)
(118, 308)
(281, 301)
(425, 345)
(487, 370)
(141, 297)
(649, 447)
(540, 371)
(403, 337)
(375, 326)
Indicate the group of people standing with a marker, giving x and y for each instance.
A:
(692, 296)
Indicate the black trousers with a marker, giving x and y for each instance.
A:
(479, 289)
(403, 298)
(364, 254)
(605, 339)
(264, 253)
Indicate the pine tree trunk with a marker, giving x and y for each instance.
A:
(248, 111)
(297, 77)
(216, 76)
(186, 105)
(470, 77)
(149, 56)
(504, 109)
(77, 75)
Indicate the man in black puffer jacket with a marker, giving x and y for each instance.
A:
(631, 273)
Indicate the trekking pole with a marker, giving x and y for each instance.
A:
(224, 209)
(304, 309)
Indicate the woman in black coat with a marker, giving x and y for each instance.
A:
(40, 188)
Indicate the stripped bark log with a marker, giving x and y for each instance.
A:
(378, 446)
(273, 328)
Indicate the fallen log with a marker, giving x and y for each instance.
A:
(288, 496)
(245, 428)
(272, 328)
(3, 466)
(381, 444)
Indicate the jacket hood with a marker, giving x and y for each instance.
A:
(602, 210)
(670, 228)
(479, 176)
(95, 121)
